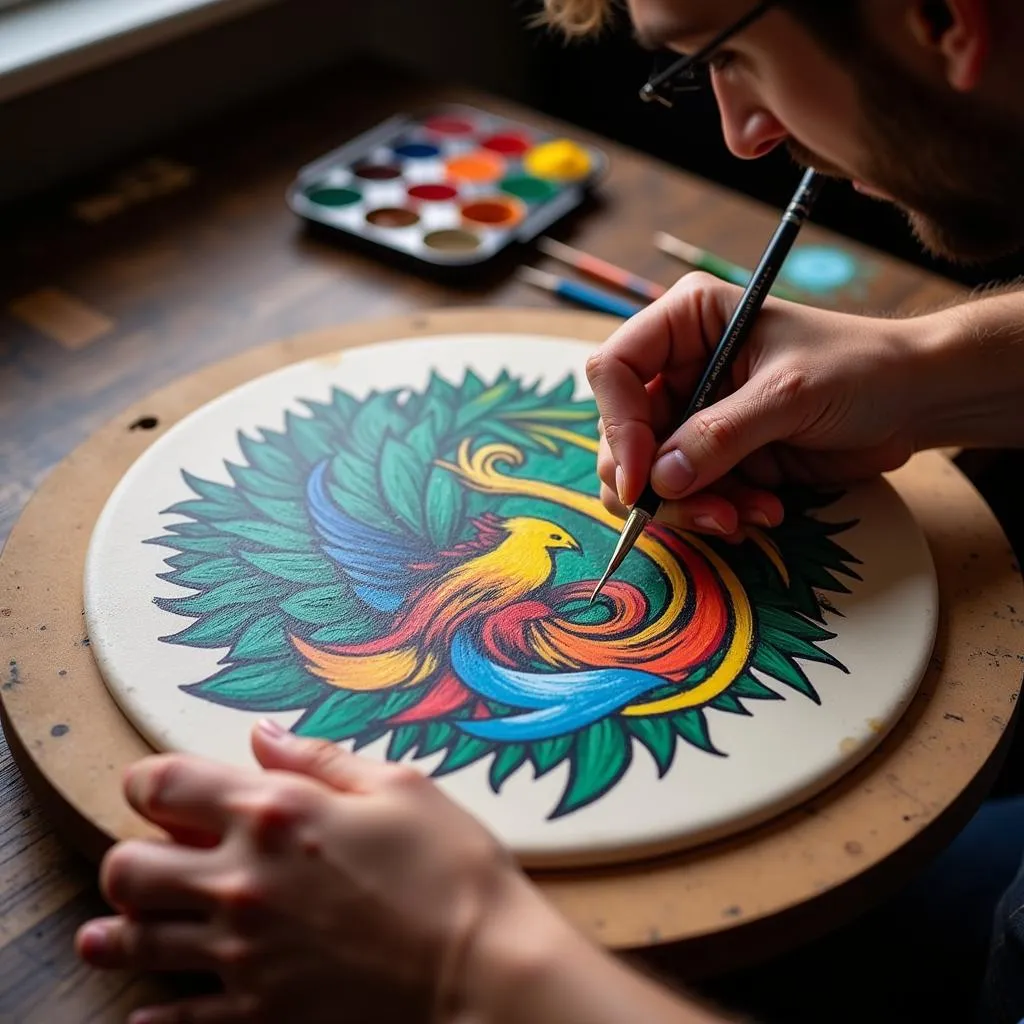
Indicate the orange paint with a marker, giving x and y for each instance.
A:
(492, 213)
(479, 167)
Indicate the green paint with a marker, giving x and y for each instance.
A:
(529, 189)
(332, 196)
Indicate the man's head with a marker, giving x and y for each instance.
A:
(917, 101)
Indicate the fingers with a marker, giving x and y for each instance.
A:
(115, 943)
(277, 749)
(186, 794)
(718, 438)
(668, 335)
(141, 876)
(220, 1009)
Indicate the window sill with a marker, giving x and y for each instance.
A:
(49, 40)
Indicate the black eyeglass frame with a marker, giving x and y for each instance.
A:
(680, 76)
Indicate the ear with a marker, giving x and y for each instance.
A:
(959, 32)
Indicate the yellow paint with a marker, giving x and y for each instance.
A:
(560, 159)
(771, 551)
(876, 725)
(366, 672)
(848, 745)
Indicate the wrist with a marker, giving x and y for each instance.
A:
(969, 364)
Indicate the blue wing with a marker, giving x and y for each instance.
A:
(377, 561)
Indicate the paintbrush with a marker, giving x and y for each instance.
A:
(583, 294)
(712, 264)
(619, 277)
(737, 332)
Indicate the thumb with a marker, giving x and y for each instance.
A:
(277, 749)
(716, 439)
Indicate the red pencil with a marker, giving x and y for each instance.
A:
(602, 270)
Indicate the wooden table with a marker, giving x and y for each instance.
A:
(120, 285)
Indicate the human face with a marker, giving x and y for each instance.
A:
(940, 155)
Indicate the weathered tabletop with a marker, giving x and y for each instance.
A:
(188, 256)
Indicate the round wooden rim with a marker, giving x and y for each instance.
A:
(727, 902)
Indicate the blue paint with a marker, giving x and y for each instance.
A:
(820, 268)
(417, 151)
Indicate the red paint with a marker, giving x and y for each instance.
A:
(433, 193)
(508, 144)
(495, 213)
(444, 125)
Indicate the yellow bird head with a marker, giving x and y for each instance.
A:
(540, 533)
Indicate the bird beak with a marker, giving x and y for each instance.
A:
(575, 546)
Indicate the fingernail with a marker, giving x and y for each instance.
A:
(270, 728)
(620, 484)
(709, 523)
(673, 474)
(757, 518)
(95, 939)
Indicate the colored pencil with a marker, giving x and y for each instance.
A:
(712, 264)
(583, 294)
(602, 270)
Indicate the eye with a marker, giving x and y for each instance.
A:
(556, 536)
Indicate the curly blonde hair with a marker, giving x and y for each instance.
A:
(577, 17)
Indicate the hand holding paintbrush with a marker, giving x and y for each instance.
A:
(737, 331)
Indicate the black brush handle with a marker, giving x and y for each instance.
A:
(743, 319)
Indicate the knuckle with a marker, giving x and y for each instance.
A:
(273, 810)
(159, 778)
(716, 430)
(240, 894)
(785, 386)
(232, 951)
(597, 365)
(405, 777)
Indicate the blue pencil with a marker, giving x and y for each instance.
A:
(583, 294)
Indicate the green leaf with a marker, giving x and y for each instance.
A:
(601, 755)
(794, 647)
(438, 388)
(792, 624)
(403, 481)
(768, 660)
(269, 534)
(545, 754)
(436, 736)
(264, 638)
(658, 736)
(344, 405)
(282, 511)
(359, 622)
(397, 701)
(445, 502)
(184, 560)
(728, 702)
(218, 629)
(247, 590)
(482, 403)
(465, 750)
(340, 716)
(355, 473)
(364, 739)
(252, 481)
(315, 569)
(403, 739)
(505, 763)
(312, 439)
(364, 510)
(747, 687)
(270, 460)
(210, 545)
(320, 606)
(693, 728)
(472, 386)
(378, 416)
(278, 685)
(206, 572)
(422, 439)
(217, 493)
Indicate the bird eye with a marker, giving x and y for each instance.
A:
(556, 536)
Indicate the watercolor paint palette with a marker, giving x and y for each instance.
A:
(450, 188)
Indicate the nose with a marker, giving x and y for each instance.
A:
(750, 130)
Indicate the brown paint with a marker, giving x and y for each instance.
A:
(392, 217)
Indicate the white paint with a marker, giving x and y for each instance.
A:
(783, 754)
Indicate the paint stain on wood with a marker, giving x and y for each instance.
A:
(853, 848)
(949, 716)
(60, 730)
(848, 745)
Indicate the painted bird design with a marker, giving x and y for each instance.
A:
(428, 595)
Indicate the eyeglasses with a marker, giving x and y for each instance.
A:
(690, 73)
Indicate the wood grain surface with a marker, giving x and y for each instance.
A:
(116, 286)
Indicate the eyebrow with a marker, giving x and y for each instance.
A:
(669, 30)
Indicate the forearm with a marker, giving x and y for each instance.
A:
(970, 375)
(530, 967)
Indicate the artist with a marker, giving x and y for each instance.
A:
(332, 888)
